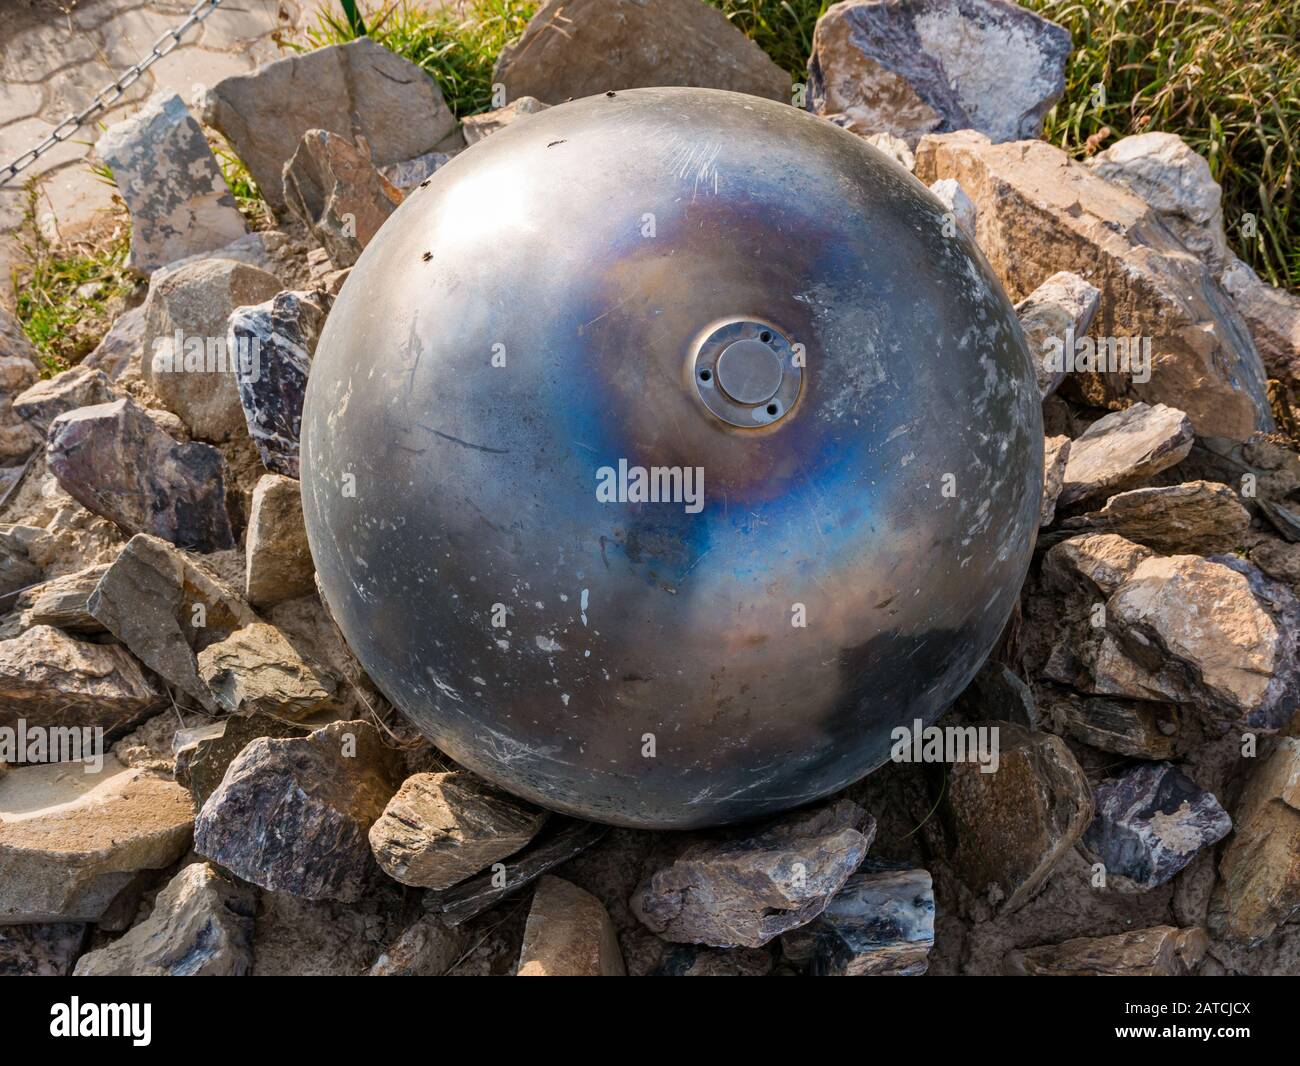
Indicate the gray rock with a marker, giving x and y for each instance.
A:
(114, 461)
(1053, 316)
(1056, 456)
(82, 386)
(577, 48)
(47, 950)
(1273, 316)
(959, 205)
(1123, 449)
(880, 923)
(440, 829)
(1136, 728)
(1151, 821)
(122, 345)
(204, 754)
(53, 680)
(338, 194)
(997, 694)
(201, 926)
(477, 127)
(256, 669)
(166, 607)
(292, 815)
(359, 88)
(1198, 517)
(18, 371)
(409, 173)
(187, 362)
(747, 890)
(165, 172)
(60, 602)
(911, 67)
(569, 934)
(1012, 826)
(283, 333)
(279, 563)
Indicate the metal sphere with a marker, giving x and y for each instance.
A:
(683, 281)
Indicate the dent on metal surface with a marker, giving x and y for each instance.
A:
(533, 315)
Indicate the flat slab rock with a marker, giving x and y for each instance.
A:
(1163, 951)
(912, 67)
(82, 386)
(292, 815)
(440, 829)
(746, 890)
(71, 841)
(201, 926)
(569, 934)
(1056, 454)
(1136, 728)
(576, 48)
(169, 179)
(360, 88)
(1124, 449)
(115, 461)
(257, 669)
(1012, 826)
(52, 680)
(1151, 821)
(1197, 517)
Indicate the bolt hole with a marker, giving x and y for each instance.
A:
(705, 375)
(765, 336)
(772, 409)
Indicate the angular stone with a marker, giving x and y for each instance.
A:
(1056, 454)
(1013, 825)
(114, 461)
(201, 926)
(996, 693)
(1151, 821)
(744, 891)
(62, 602)
(166, 608)
(569, 934)
(880, 923)
(187, 362)
(896, 149)
(408, 174)
(360, 89)
(256, 669)
(70, 842)
(1162, 951)
(279, 564)
(13, 341)
(1040, 212)
(1134, 728)
(559, 841)
(1197, 517)
(51, 679)
(82, 386)
(959, 205)
(577, 48)
(1124, 449)
(1273, 316)
(48, 950)
(440, 829)
(204, 754)
(426, 948)
(1259, 888)
(292, 815)
(17, 438)
(477, 127)
(911, 67)
(1283, 519)
(1176, 182)
(20, 567)
(338, 194)
(165, 172)
(283, 332)
(1053, 317)
(122, 345)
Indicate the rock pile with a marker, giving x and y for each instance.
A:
(1139, 812)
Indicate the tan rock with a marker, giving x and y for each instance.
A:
(71, 841)
(1056, 453)
(1060, 310)
(1040, 212)
(569, 934)
(1163, 951)
(1124, 449)
(426, 948)
(577, 48)
(279, 559)
(257, 669)
(1201, 517)
(60, 602)
(440, 829)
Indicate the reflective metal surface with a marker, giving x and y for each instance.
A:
(510, 376)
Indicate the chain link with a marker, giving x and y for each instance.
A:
(111, 94)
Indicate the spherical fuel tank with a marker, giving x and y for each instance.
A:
(665, 452)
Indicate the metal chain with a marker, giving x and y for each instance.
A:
(110, 94)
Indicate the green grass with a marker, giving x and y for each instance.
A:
(67, 297)
(782, 28)
(1224, 76)
(248, 197)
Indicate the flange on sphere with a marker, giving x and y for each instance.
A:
(665, 451)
